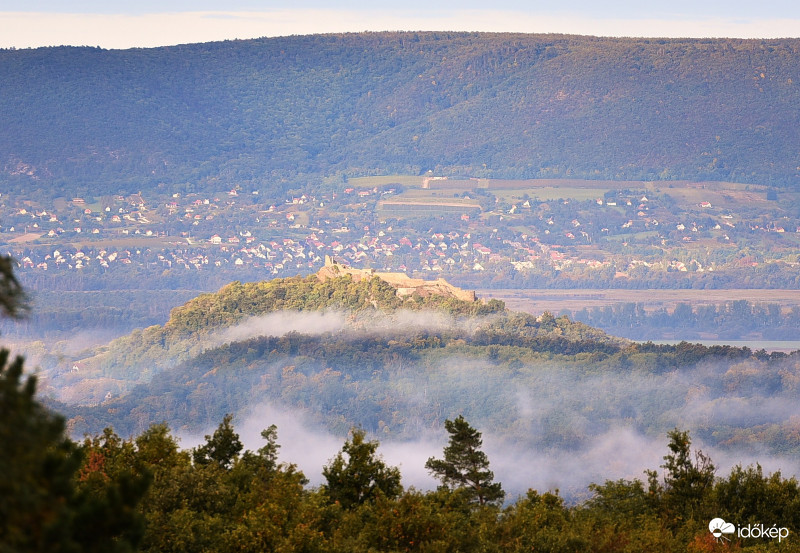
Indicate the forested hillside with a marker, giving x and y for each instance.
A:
(562, 405)
(268, 114)
(332, 314)
(147, 494)
(336, 354)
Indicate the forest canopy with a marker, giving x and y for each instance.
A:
(269, 113)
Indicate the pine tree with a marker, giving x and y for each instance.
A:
(464, 465)
(37, 463)
(13, 300)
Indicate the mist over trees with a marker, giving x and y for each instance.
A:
(94, 464)
(144, 493)
(340, 354)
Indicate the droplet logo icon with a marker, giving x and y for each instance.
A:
(719, 528)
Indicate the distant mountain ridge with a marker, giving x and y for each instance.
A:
(270, 113)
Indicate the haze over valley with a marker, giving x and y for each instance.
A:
(413, 253)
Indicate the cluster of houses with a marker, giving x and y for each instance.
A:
(206, 232)
(235, 229)
(386, 249)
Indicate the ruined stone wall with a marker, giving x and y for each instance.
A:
(406, 286)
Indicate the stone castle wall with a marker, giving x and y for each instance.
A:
(406, 286)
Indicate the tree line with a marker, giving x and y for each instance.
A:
(729, 320)
(146, 494)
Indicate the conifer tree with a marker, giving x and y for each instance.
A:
(47, 501)
(464, 465)
(13, 300)
(37, 463)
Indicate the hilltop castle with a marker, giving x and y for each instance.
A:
(405, 285)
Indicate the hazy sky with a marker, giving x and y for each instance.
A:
(146, 23)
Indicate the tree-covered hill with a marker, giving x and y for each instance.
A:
(337, 309)
(342, 353)
(270, 113)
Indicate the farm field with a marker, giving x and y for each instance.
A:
(726, 195)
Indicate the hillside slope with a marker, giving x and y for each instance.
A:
(317, 305)
(339, 353)
(270, 113)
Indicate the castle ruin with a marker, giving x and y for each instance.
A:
(405, 285)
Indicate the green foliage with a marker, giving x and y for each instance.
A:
(688, 478)
(749, 496)
(557, 335)
(540, 523)
(257, 504)
(51, 499)
(221, 448)
(251, 504)
(621, 499)
(511, 372)
(111, 485)
(673, 513)
(362, 477)
(143, 352)
(465, 466)
(267, 455)
(236, 301)
(37, 463)
(275, 113)
(483, 367)
(12, 296)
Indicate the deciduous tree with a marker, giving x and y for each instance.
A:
(222, 447)
(361, 476)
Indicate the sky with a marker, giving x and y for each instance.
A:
(150, 23)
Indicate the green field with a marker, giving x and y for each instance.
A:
(721, 195)
(371, 182)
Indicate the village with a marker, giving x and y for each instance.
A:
(617, 234)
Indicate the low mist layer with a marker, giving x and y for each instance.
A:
(549, 421)
(560, 403)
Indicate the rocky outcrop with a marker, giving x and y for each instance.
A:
(405, 285)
